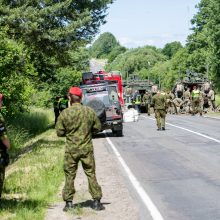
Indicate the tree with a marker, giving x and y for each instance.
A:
(204, 42)
(16, 73)
(104, 45)
(49, 29)
(171, 48)
(136, 61)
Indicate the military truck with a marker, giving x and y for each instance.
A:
(102, 96)
(135, 86)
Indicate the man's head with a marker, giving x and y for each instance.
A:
(194, 87)
(75, 94)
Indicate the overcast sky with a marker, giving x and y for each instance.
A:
(150, 22)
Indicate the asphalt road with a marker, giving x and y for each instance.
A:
(179, 169)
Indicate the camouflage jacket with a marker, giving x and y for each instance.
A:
(147, 98)
(2, 127)
(77, 123)
(159, 102)
(3, 133)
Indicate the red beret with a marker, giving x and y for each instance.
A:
(1, 96)
(75, 91)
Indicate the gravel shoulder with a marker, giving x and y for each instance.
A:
(116, 196)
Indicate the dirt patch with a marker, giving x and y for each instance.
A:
(116, 198)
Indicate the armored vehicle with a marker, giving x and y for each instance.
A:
(103, 97)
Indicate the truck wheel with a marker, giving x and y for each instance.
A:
(99, 107)
(118, 133)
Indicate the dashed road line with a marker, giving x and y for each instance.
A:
(136, 184)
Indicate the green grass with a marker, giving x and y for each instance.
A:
(27, 125)
(217, 99)
(35, 173)
(33, 180)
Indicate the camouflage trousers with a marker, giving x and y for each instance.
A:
(147, 106)
(2, 178)
(160, 116)
(87, 160)
(196, 106)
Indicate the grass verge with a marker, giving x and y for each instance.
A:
(33, 180)
(217, 99)
(27, 125)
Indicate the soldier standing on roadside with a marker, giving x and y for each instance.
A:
(187, 95)
(4, 146)
(196, 97)
(187, 99)
(137, 101)
(77, 123)
(159, 104)
(63, 103)
(147, 100)
(56, 108)
(211, 96)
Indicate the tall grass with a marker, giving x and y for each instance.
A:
(26, 125)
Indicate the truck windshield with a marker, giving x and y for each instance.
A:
(101, 95)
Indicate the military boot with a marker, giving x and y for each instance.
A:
(163, 128)
(69, 206)
(97, 205)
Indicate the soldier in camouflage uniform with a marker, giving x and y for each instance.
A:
(196, 97)
(4, 146)
(77, 123)
(159, 104)
(56, 108)
(147, 100)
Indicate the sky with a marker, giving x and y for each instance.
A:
(137, 23)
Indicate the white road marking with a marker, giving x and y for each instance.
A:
(194, 132)
(141, 192)
(205, 116)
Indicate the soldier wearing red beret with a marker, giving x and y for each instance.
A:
(77, 123)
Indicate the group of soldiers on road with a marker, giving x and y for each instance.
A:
(192, 100)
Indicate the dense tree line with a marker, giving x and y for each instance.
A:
(43, 46)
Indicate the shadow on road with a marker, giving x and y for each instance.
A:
(88, 204)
